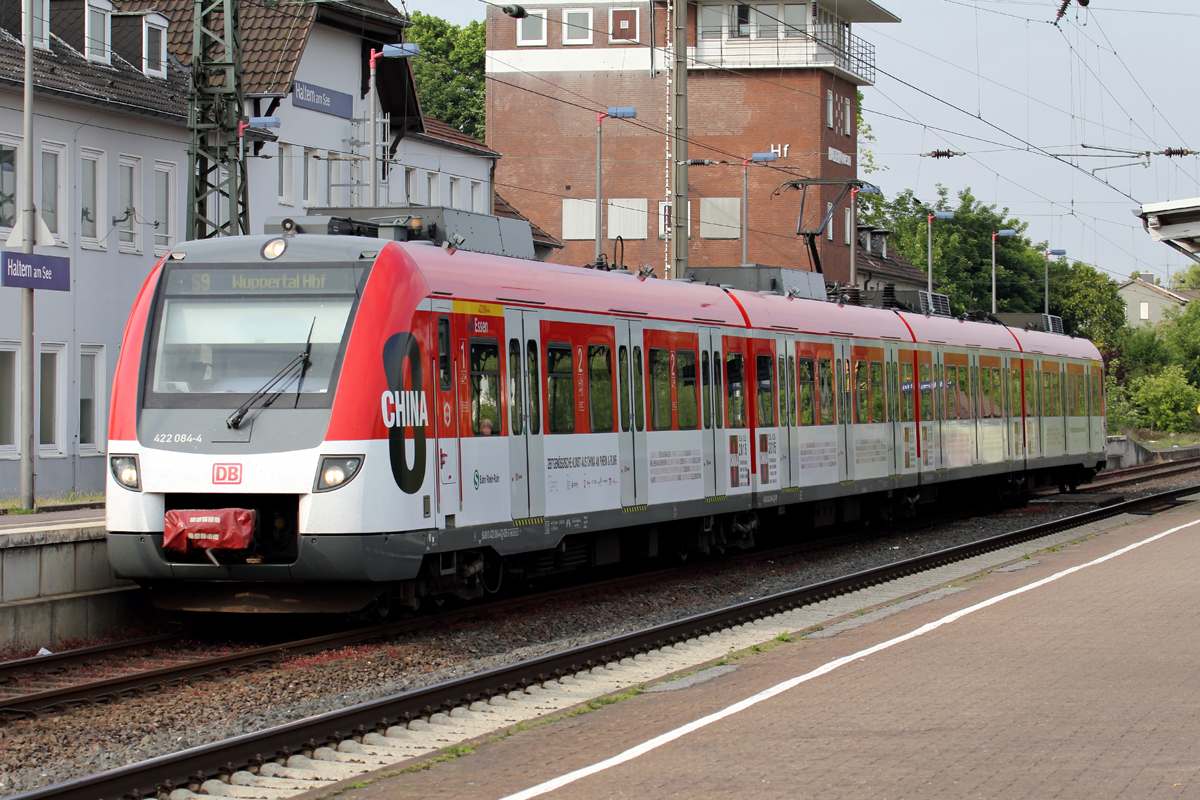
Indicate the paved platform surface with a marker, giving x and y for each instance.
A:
(1085, 686)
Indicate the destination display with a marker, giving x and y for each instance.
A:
(283, 280)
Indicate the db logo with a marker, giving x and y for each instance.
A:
(227, 473)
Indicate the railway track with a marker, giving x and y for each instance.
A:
(321, 749)
(1129, 475)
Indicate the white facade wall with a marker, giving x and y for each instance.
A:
(105, 276)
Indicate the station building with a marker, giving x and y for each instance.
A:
(110, 177)
(762, 77)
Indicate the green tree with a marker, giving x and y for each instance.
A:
(1143, 352)
(1169, 401)
(450, 71)
(1188, 278)
(869, 205)
(1087, 301)
(1180, 334)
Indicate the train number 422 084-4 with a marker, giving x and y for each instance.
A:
(170, 438)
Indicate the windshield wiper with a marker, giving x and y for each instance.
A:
(301, 359)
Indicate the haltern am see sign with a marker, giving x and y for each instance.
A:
(28, 271)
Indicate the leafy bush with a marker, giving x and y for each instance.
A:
(1168, 400)
(1122, 414)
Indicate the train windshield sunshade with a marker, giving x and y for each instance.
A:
(221, 333)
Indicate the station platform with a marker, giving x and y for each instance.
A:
(1071, 674)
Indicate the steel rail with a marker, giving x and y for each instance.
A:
(196, 764)
(82, 655)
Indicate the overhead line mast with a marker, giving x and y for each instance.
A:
(218, 194)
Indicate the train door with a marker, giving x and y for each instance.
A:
(716, 457)
(446, 405)
(895, 430)
(525, 449)
(792, 476)
(937, 459)
(1008, 411)
(785, 354)
(632, 437)
(977, 425)
(841, 353)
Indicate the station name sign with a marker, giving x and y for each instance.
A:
(28, 271)
(318, 98)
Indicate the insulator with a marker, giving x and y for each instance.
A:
(1176, 151)
(943, 153)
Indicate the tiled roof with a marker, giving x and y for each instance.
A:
(436, 130)
(502, 208)
(64, 72)
(894, 266)
(273, 36)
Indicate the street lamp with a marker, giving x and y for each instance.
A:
(855, 191)
(403, 50)
(1048, 254)
(929, 224)
(755, 158)
(1005, 232)
(616, 112)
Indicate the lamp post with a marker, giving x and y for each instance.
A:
(929, 224)
(404, 50)
(855, 191)
(1048, 254)
(616, 112)
(755, 158)
(1005, 232)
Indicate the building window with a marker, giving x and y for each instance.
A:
(333, 177)
(532, 30)
(794, 24)
(847, 126)
(410, 186)
(129, 199)
(311, 183)
(766, 21)
(829, 108)
(433, 188)
(53, 203)
(623, 25)
(456, 197)
(9, 398)
(477, 197)
(848, 225)
(154, 46)
(711, 22)
(98, 30)
(664, 220)
(739, 22)
(91, 399)
(164, 228)
(627, 218)
(8, 182)
(91, 199)
(829, 218)
(577, 26)
(41, 23)
(50, 383)
(286, 178)
(1144, 311)
(720, 218)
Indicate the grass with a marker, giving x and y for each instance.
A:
(1158, 440)
(12, 505)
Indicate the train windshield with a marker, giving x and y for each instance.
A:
(223, 332)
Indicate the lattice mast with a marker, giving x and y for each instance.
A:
(218, 194)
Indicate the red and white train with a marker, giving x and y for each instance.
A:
(405, 420)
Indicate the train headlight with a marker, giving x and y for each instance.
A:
(125, 470)
(336, 471)
(274, 249)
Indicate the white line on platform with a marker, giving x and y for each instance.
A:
(779, 688)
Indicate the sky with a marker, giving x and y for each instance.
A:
(1020, 96)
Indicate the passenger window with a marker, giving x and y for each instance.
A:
(600, 388)
(560, 389)
(705, 390)
(1014, 392)
(1030, 404)
(485, 387)
(718, 391)
(889, 370)
(783, 390)
(804, 370)
(623, 383)
(842, 394)
(1097, 397)
(862, 393)
(906, 393)
(660, 389)
(825, 378)
(639, 390)
(926, 393)
(1080, 396)
(444, 352)
(878, 398)
(535, 387)
(951, 392)
(765, 390)
(685, 390)
(791, 390)
(736, 390)
(985, 395)
(1056, 383)
(515, 400)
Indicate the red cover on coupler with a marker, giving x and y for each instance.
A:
(208, 529)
